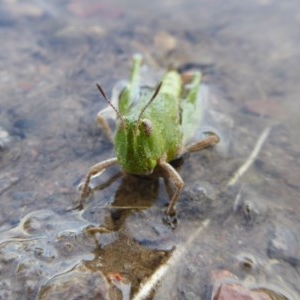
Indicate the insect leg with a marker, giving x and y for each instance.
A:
(135, 71)
(110, 181)
(192, 108)
(210, 140)
(96, 169)
(171, 174)
(131, 91)
(102, 121)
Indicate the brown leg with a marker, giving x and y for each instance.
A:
(95, 170)
(208, 141)
(93, 230)
(109, 182)
(171, 174)
(102, 121)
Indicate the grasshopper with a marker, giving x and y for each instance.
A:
(153, 129)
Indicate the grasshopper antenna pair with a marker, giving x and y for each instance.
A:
(143, 109)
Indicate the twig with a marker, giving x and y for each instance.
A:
(146, 289)
(246, 165)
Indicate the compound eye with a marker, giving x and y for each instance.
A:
(147, 126)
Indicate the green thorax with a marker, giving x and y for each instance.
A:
(158, 134)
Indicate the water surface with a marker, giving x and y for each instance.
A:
(238, 228)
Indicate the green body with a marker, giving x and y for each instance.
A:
(172, 122)
(153, 128)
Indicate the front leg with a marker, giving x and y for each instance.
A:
(102, 121)
(95, 170)
(169, 173)
(210, 140)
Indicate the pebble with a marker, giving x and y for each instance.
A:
(5, 138)
(164, 41)
(238, 292)
(265, 107)
(284, 244)
(73, 32)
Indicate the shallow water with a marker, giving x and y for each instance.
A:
(246, 227)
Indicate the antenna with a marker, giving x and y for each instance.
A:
(149, 102)
(109, 102)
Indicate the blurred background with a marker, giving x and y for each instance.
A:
(239, 214)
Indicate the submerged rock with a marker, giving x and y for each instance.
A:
(77, 284)
(238, 292)
(285, 244)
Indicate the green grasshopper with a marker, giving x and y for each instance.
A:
(153, 129)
